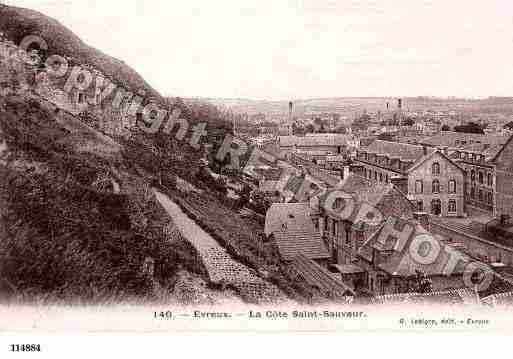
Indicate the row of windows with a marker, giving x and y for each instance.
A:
(435, 186)
(436, 206)
(480, 177)
(481, 195)
(376, 176)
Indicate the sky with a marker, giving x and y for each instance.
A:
(280, 50)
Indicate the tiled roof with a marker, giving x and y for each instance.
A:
(431, 154)
(292, 242)
(348, 268)
(386, 197)
(401, 263)
(269, 173)
(499, 299)
(453, 296)
(317, 276)
(449, 138)
(318, 140)
(404, 151)
(364, 189)
(506, 144)
(295, 216)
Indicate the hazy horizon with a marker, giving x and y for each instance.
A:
(281, 50)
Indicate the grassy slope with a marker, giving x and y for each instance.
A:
(146, 157)
(62, 236)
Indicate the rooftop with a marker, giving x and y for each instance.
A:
(293, 242)
(317, 140)
(317, 276)
(401, 263)
(348, 268)
(451, 297)
(404, 151)
(292, 216)
(449, 139)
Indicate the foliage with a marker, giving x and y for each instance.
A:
(470, 127)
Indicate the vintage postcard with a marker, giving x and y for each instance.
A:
(231, 166)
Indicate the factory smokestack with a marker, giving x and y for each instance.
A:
(399, 103)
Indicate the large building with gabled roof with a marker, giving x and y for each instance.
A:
(427, 176)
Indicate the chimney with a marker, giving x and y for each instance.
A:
(291, 105)
(400, 103)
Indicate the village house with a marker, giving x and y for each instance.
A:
(344, 237)
(480, 184)
(389, 270)
(473, 152)
(503, 162)
(291, 227)
(427, 176)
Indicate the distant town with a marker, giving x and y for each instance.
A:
(103, 200)
(443, 165)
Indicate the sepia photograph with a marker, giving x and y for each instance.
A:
(264, 166)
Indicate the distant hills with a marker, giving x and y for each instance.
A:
(351, 106)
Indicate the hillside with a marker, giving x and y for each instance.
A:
(16, 23)
(79, 220)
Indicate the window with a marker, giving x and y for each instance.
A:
(80, 97)
(420, 206)
(435, 169)
(472, 175)
(480, 177)
(489, 198)
(375, 175)
(334, 228)
(452, 186)
(452, 206)
(490, 179)
(435, 188)
(473, 192)
(386, 179)
(326, 224)
(419, 186)
(480, 194)
(436, 206)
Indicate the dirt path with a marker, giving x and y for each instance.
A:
(221, 267)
